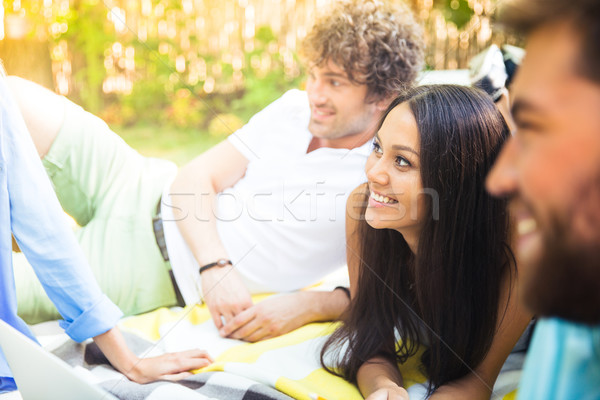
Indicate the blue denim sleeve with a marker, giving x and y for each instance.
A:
(43, 234)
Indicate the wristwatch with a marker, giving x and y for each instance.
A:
(219, 263)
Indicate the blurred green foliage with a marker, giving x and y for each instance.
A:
(161, 96)
(223, 124)
(457, 11)
(88, 36)
(260, 90)
(176, 144)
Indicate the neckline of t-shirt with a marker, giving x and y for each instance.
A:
(343, 150)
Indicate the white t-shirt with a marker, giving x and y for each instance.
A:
(283, 223)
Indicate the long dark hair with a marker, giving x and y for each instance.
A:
(446, 296)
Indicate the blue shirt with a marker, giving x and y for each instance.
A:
(30, 210)
(563, 362)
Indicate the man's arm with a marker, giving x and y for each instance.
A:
(278, 315)
(193, 196)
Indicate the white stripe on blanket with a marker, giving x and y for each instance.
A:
(289, 363)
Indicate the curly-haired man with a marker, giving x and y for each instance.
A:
(263, 211)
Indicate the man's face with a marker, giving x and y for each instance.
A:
(339, 112)
(551, 171)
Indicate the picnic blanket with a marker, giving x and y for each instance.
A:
(280, 368)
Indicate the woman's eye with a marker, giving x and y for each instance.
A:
(335, 83)
(377, 148)
(402, 162)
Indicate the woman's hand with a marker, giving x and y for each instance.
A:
(170, 366)
(389, 393)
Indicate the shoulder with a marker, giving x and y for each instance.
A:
(289, 109)
(292, 100)
(293, 103)
(295, 96)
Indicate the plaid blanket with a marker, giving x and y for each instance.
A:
(280, 368)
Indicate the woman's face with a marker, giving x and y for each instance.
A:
(396, 198)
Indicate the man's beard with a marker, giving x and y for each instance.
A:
(565, 282)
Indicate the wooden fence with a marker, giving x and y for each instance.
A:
(199, 37)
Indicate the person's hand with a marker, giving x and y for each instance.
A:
(170, 366)
(224, 294)
(271, 317)
(389, 393)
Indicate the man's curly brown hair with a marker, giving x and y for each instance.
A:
(377, 44)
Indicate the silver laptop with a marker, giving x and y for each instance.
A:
(40, 374)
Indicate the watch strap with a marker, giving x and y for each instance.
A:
(221, 263)
(345, 290)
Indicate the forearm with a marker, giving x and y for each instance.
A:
(378, 373)
(194, 198)
(194, 204)
(113, 345)
(170, 366)
(324, 305)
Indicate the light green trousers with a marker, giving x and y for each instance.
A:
(111, 191)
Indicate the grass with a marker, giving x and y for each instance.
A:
(177, 145)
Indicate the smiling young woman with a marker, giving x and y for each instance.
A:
(396, 198)
(427, 248)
